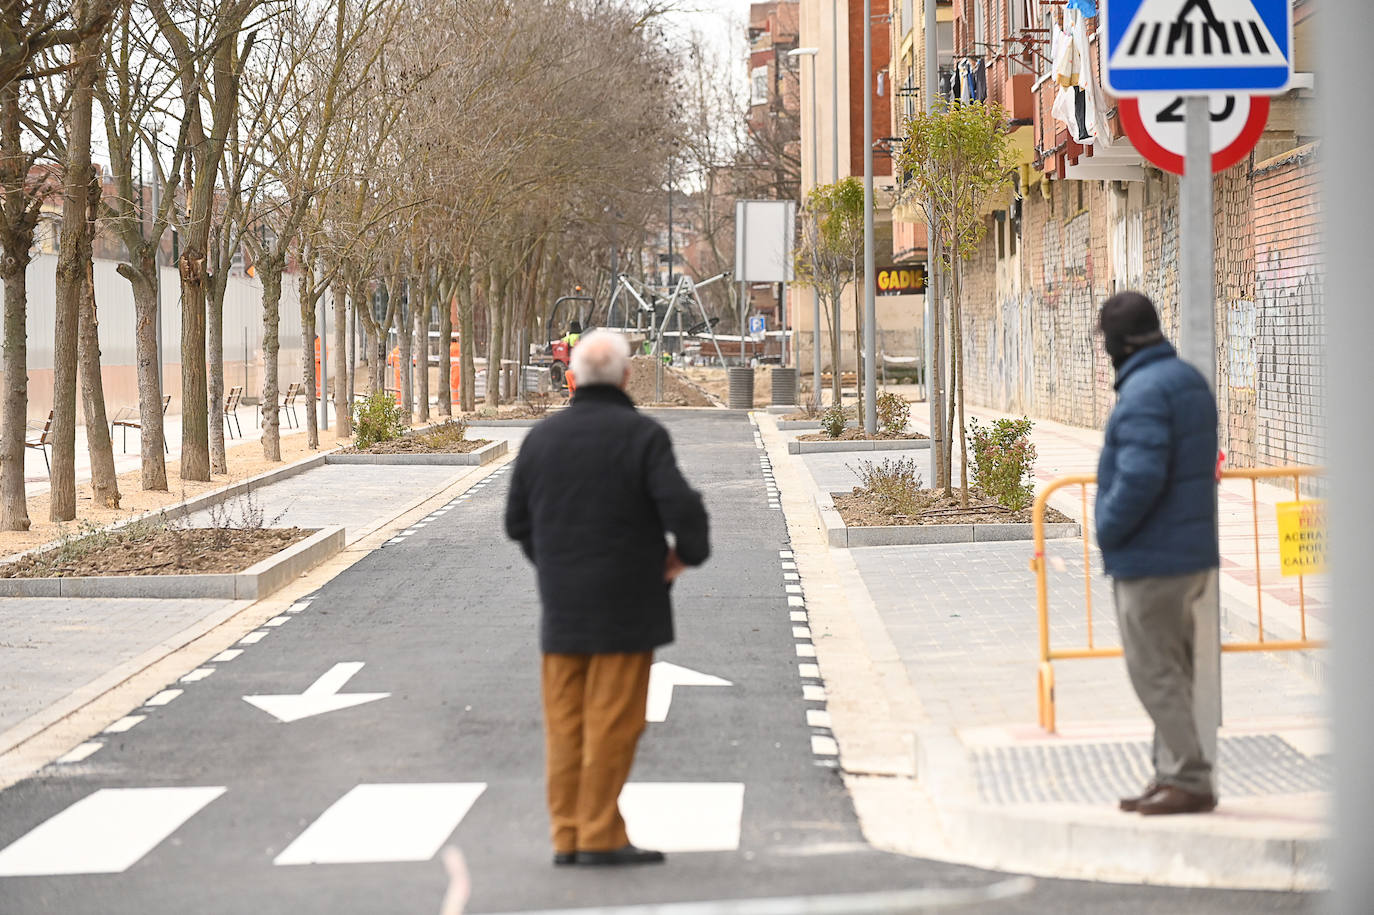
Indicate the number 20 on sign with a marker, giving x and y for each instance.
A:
(1302, 537)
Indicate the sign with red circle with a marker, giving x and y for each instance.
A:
(1155, 125)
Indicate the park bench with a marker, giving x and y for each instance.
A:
(41, 440)
(288, 404)
(231, 407)
(127, 418)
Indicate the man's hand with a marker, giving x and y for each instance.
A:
(672, 567)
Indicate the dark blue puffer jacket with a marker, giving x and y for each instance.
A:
(1156, 478)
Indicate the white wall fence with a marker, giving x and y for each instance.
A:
(243, 362)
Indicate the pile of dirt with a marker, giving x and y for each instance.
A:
(486, 415)
(678, 391)
(858, 435)
(150, 549)
(449, 438)
(932, 506)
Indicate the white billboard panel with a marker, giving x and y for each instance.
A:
(764, 230)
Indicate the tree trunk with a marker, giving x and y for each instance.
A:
(344, 422)
(404, 353)
(195, 416)
(422, 353)
(933, 374)
(445, 306)
(142, 277)
(467, 343)
(271, 349)
(312, 423)
(494, 344)
(214, 343)
(837, 309)
(17, 244)
(71, 279)
(950, 404)
(957, 326)
(104, 483)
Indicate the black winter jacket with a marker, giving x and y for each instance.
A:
(595, 489)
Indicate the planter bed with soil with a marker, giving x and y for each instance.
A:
(444, 444)
(156, 560)
(856, 440)
(854, 519)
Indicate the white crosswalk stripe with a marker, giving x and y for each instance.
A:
(112, 829)
(104, 833)
(376, 823)
(683, 816)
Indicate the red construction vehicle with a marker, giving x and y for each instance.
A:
(557, 353)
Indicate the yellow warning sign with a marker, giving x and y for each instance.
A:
(1302, 537)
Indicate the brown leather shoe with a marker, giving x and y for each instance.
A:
(1132, 804)
(1172, 799)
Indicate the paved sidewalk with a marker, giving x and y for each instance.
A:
(992, 788)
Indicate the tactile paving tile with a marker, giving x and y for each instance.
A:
(1101, 772)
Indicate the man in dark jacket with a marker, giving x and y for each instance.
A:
(595, 495)
(1157, 527)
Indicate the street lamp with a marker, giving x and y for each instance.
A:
(815, 290)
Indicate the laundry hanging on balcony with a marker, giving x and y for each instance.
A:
(1079, 102)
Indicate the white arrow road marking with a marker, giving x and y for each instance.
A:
(321, 696)
(683, 816)
(663, 677)
(382, 823)
(105, 832)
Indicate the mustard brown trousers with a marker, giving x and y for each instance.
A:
(594, 707)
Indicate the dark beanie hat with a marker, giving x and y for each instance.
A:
(1128, 322)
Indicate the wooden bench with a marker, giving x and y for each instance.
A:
(231, 406)
(127, 418)
(41, 440)
(288, 404)
(846, 378)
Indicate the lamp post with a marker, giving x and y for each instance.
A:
(870, 379)
(815, 290)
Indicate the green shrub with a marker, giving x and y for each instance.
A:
(893, 413)
(894, 485)
(376, 418)
(1003, 460)
(833, 420)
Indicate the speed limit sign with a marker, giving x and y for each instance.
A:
(1155, 125)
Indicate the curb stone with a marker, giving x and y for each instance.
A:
(484, 455)
(256, 581)
(897, 444)
(841, 536)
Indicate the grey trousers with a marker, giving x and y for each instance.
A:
(1156, 616)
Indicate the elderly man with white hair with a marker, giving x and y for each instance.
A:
(594, 499)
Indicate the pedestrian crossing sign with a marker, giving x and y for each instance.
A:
(1198, 47)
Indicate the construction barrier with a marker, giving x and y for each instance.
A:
(1299, 542)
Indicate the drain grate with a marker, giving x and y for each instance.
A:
(1099, 773)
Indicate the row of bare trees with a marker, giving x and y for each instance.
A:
(401, 162)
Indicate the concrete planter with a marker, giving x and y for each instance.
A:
(484, 455)
(255, 582)
(839, 535)
(892, 444)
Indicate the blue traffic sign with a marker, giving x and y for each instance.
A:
(1196, 47)
(756, 324)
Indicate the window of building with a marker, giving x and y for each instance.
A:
(758, 85)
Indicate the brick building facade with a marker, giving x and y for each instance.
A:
(1058, 244)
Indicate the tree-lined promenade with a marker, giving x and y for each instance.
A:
(411, 160)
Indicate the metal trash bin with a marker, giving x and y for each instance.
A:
(784, 387)
(741, 380)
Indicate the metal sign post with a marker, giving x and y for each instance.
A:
(1198, 346)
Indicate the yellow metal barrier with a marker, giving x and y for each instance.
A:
(1048, 654)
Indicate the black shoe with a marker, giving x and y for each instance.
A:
(564, 858)
(627, 855)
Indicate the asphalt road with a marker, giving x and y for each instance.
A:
(444, 621)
